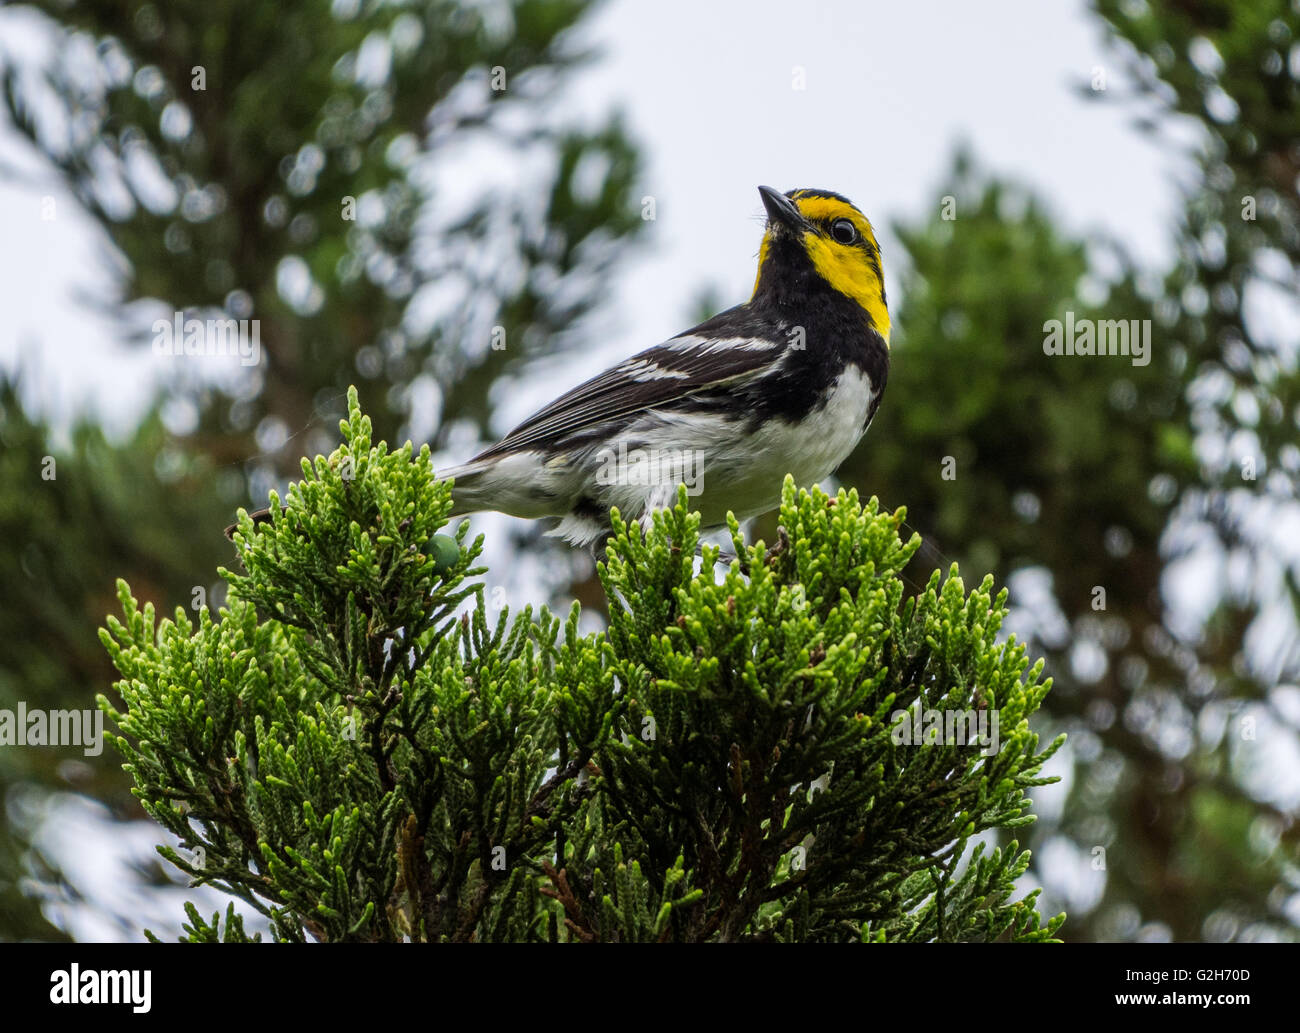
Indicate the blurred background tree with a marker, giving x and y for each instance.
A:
(1093, 485)
(303, 165)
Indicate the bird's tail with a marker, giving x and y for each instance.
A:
(512, 483)
(466, 492)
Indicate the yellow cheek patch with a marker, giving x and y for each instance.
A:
(846, 267)
(849, 271)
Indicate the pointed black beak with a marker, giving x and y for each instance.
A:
(781, 211)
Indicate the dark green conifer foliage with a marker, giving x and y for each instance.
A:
(359, 753)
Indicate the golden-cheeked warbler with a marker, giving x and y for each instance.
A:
(785, 383)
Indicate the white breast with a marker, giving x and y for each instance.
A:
(743, 472)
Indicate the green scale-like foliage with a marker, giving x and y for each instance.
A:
(354, 750)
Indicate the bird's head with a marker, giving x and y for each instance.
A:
(820, 233)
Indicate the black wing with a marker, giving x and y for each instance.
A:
(680, 367)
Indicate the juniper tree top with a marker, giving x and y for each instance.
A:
(796, 749)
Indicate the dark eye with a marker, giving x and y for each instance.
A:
(844, 231)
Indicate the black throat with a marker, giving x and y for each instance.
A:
(837, 332)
